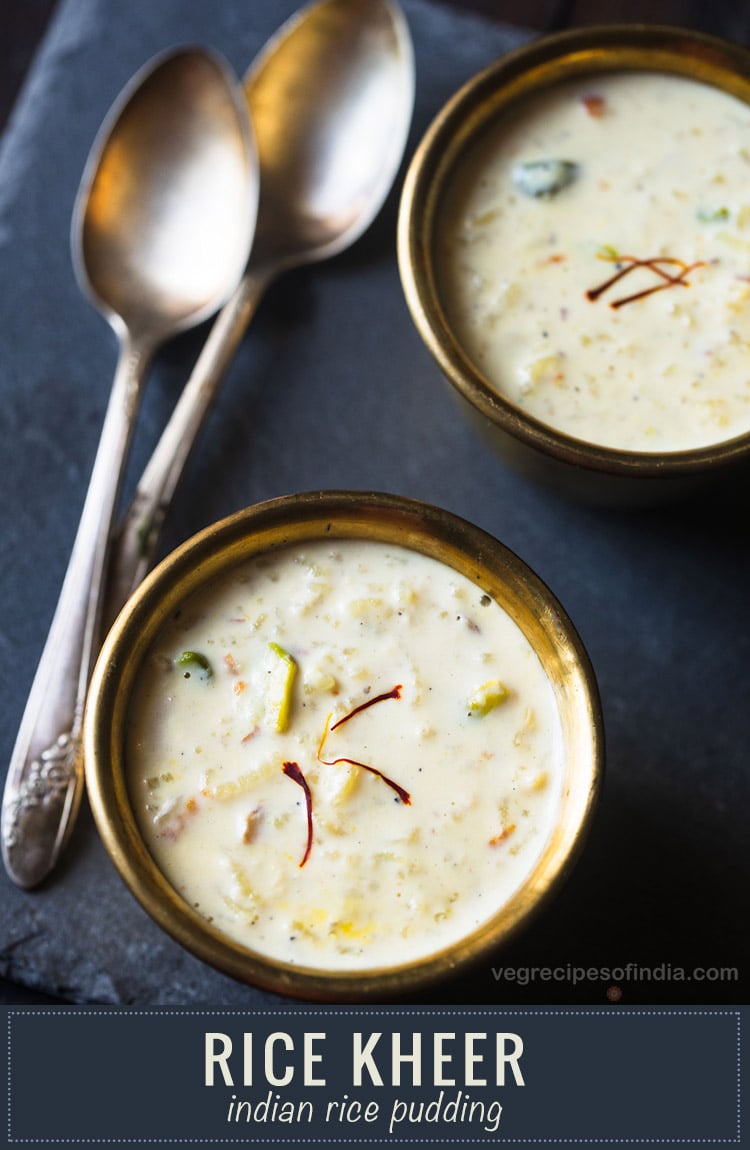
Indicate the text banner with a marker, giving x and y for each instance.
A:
(335, 1076)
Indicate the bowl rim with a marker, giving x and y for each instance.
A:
(511, 78)
(269, 526)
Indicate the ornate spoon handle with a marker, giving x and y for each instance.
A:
(137, 538)
(45, 779)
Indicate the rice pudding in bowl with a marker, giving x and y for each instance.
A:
(341, 744)
(574, 244)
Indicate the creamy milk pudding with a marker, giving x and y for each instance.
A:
(344, 754)
(595, 260)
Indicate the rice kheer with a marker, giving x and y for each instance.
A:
(344, 754)
(594, 260)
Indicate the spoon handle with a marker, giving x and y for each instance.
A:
(137, 538)
(45, 779)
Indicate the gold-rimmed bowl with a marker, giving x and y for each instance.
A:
(581, 468)
(261, 531)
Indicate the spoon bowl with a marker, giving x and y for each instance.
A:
(161, 231)
(161, 225)
(328, 148)
(330, 98)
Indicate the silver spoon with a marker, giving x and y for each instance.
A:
(330, 98)
(162, 227)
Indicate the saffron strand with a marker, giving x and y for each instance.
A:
(656, 265)
(292, 771)
(394, 693)
(400, 791)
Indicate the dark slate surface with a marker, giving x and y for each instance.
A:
(333, 388)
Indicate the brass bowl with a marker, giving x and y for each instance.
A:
(582, 469)
(332, 515)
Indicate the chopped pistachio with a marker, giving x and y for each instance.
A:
(712, 215)
(279, 697)
(197, 661)
(487, 697)
(544, 177)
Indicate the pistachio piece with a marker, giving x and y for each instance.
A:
(487, 697)
(712, 215)
(195, 661)
(279, 698)
(544, 177)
